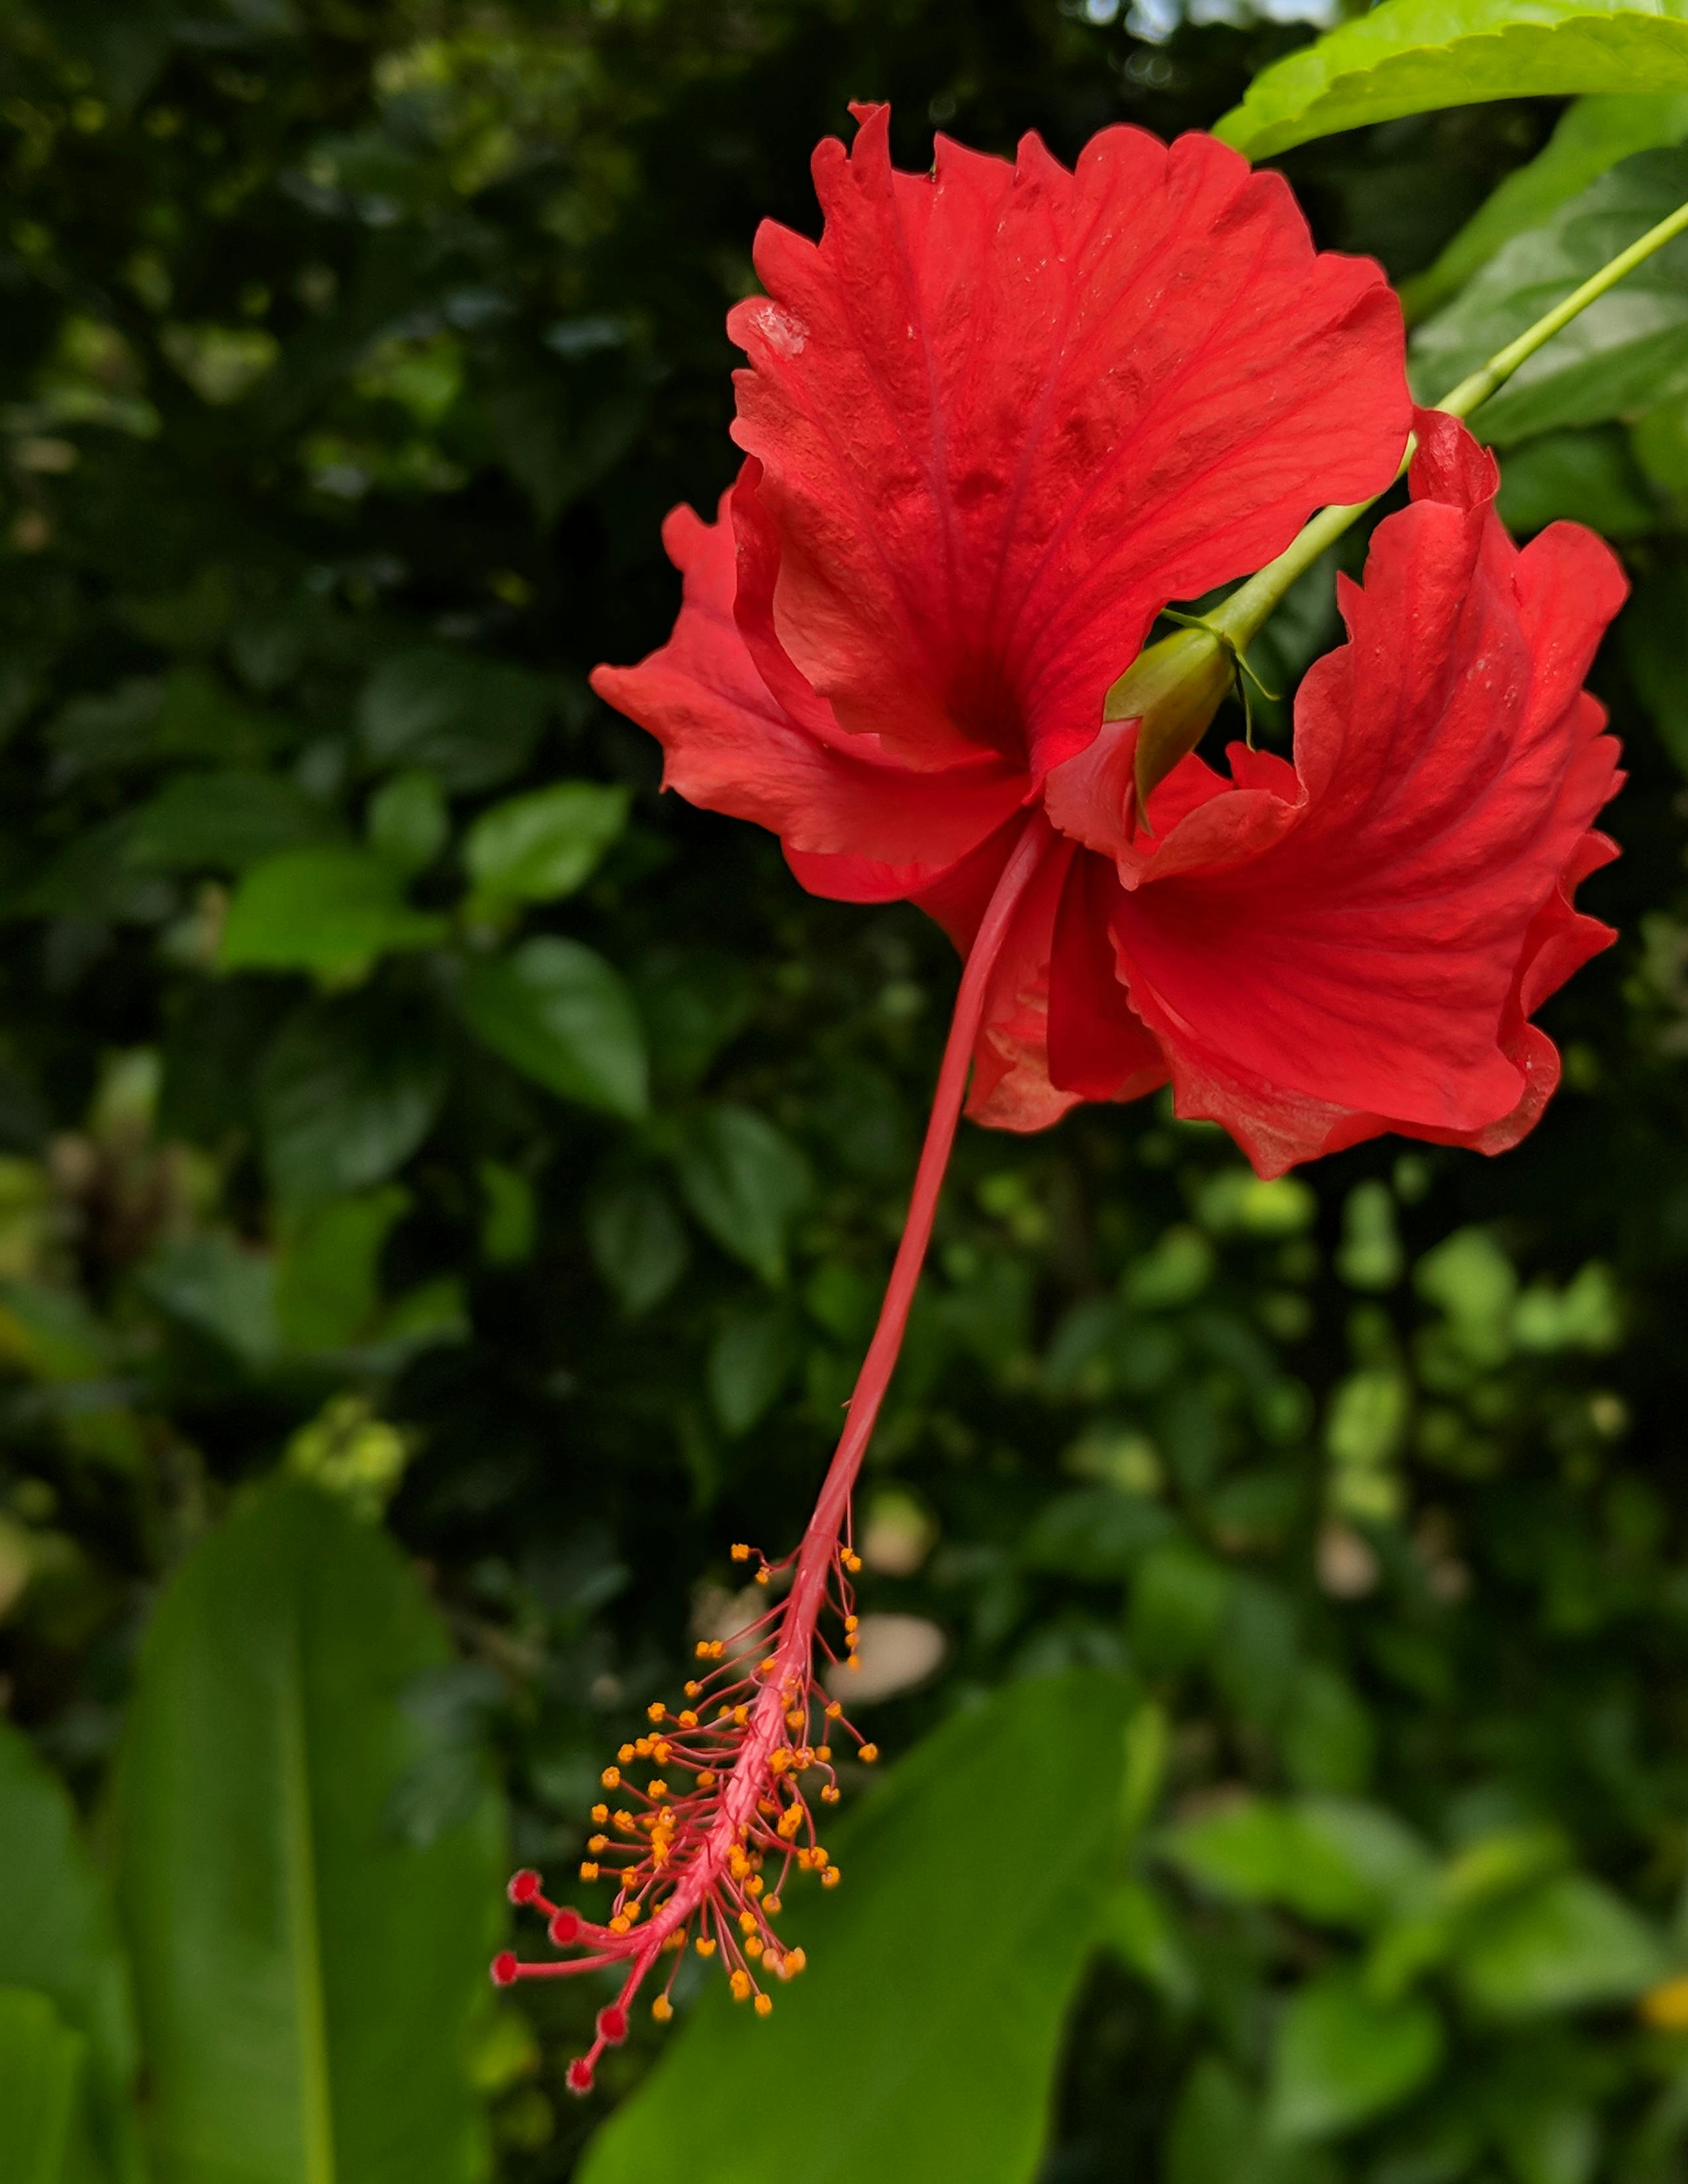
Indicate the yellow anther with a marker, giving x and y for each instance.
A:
(600, 1814)
(695, 1691)
(850, 1559)
(704, 1946)
(795, 1962)
(868, 1754)
(688, 1718)
(659, 1789)
(741, 1714)
(765, 2003)
(588, 1871)
(702, 1649)
(823, 1752)
(794, 1717)
(741, 1552)
(772, 1907)
(805, 1759)
(621, 1924)
(643, 1748)
(790, 1820)
(740, 1985)
(763, 1574)
(595, 1843)
(626, 1823)
(852, 1660)
(627, 1754)
(676, 1940)
(656, 1711)
(748, 1922)
(659, 1749)
(662, 2010)
(723, 1714)
(831, 1794)
(834, 1711)
(778, 1762)
(831, 1877)
(611, 1778)
(717, 1647)
(706, 1779)
(752, 1948)
(754, 1885)
(634, 1912)
(767, 1668)
(852, 1622)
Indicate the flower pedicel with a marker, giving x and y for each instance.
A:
(993, 423)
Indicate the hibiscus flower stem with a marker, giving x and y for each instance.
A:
(1238, 619)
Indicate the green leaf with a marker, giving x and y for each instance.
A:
(305, 1980)
(638, 1242)
(1414, 56)
(1567, 1944)
(469, 720)
(345, 1092)
(1342, 2056)
(57, 1937)
(1588, 478)
(1592, 135)
(561, 1014)
(749, 1363)
(408, 821)
(41, 2063)
(327, 1278)
(330, 911)
(928, 2023)
(220, 1286)
(224, 822)
(540, 847)
(1655, 639)
(745, 1182)
(1333, 1860)
(1624, 354)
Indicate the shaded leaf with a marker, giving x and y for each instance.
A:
(1567, 1944)
(40, 2064)
(469, 720)
(638, 1242)
(224, 822)
(1414, 56)
(1331, 1859)
(1623, 354)
(944, 2069)
(745, 1182)
(749, 1363)
(305, 1978)
(561, 1015)
(1587, 477)
(345, 1092)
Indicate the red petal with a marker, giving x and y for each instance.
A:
(1364, 957)
(1006, 412)
(731, 745)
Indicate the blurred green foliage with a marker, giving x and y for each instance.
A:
(409, 1127)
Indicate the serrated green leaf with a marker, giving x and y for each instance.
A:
(542, 846)
(1624, 354)
(1341, 2056)
(1414, 56)
(561, 1015)
(929, 2017)
(332, 911)
(304, 1978)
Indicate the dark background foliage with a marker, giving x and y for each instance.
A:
(351, 356)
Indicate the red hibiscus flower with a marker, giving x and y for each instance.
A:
(994, 421)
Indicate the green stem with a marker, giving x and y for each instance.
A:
(1238, 619)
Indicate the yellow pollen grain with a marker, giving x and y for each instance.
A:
(621, 1924)
(747, 1922)
(741, 1552)
(772, 1907)
(834, 1711)
(600, 1814)
(688, 1718)
(868, 1754)
(753, 1946)
(656, 1711)
(596, 1843)
(611, 1778)
(704, 1946)
(795, 1962)
(627, 1754)
(831, 1877)
(764, 2005)
(831, 1794)
(823, 1752)
(695, 1691)
(740, 1984)
(662, 2010)
(588, 1871)
(706, 1779)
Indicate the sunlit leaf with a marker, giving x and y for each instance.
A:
(331, 910)
(928, 2020)
(746, 1183)
(1341, 2056)
(543, 845)
(1413, 56)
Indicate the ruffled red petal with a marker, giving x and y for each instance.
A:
(1364, 955)
(1006, 412)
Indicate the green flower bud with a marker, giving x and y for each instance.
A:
(1172, 690)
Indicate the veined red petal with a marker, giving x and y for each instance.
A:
(1006, 412)
(1364, 956)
